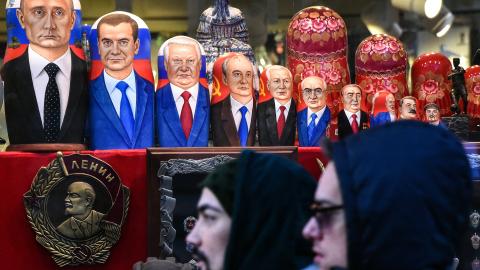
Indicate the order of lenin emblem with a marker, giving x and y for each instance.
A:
(77, 206)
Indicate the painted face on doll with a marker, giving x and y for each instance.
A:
(314, 93)
(280, 84)
(183, 65)
(238, 76)
(408, 108)
(390, 103)
(47, 23)
(351, 97)
(433, 115)
(117, 48)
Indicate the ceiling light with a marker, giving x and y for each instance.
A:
(440, 24)
(428, 8)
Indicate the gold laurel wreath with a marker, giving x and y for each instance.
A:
(62, 249)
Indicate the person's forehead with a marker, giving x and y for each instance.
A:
(239, 64)
(121, 30)
(312, 82)
(409, 101)
(352, 89)
(328, 189)
(182, 50)
(279, 73)
(208, 198)
(65, 4)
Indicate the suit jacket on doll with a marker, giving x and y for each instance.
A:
(106, 129)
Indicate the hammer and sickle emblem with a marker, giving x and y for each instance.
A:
(262, 89)
(216, 87)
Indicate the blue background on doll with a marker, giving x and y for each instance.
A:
(14, 29)
(143, 52)
(162, 72)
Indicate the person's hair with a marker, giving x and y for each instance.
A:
(23, 1)
(277, 67)
(322, 81)
(407, 97)
(431, 106)
(351, 85)
(225, 64)
(116, 19)
(182, 40)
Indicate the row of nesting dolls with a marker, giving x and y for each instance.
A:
(317, 45)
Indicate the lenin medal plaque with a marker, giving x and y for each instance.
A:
(76, 207)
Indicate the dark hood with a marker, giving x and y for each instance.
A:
(271, 206)
(406, 188)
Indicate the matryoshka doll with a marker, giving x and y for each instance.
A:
(381, 65)
(472, 83)
(317, 45)
(430, 81)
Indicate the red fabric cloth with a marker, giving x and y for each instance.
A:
(18, 247)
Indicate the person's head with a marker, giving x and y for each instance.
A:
(456, 62)
(390, 103)
(182, 61)
(314, 92)
(374, 194)
(279, 83)
(432, 113)
(118, 43)
(79, 200)
(47, 24)
(408, 108)
(351, 97)
(238, 76)
(241, 215)
(327, 229)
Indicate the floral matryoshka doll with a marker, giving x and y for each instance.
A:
(381, 65)
(430, 81)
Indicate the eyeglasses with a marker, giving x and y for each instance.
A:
(323, 215)
(315, 92)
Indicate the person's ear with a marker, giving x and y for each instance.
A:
(73, 19)
(21, 18)
(137, 46)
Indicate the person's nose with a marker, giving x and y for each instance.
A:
(49, 22)
(311, 230)
(193, 238)
(115, 48)
(184, 67)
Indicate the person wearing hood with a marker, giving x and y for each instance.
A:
(396, 209)
(251, 214)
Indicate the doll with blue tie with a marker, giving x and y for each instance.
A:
(233, 115)
(182, 97)
(121, 86)
(314, 121)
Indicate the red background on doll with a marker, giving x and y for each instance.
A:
(472, 83)
(220, 90)
(264, 93)
(430, 82)
(317, 45)
(380, 65)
